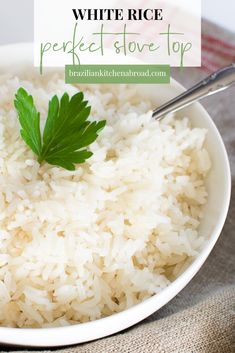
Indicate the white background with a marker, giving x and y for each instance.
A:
(59, 28)
(16, 18)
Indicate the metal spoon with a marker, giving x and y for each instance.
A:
(216, 82)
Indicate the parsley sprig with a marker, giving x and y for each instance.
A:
(67, 132)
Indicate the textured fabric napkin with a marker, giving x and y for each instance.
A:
(201, 319)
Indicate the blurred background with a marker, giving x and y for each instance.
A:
(16, 18)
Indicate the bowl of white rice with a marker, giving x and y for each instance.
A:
(88, 253)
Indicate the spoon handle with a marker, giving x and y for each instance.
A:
(216, 82)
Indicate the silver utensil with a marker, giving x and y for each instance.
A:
(216, 82)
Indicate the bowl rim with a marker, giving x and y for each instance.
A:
(89, 331)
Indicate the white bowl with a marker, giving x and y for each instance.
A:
(15, 57)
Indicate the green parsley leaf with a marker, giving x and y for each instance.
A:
(30, 120)
(67, 132)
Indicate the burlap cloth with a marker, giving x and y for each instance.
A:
(201, 319)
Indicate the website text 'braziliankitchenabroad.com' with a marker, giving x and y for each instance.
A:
(117, 73)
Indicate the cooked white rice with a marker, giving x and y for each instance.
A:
(77, 246)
